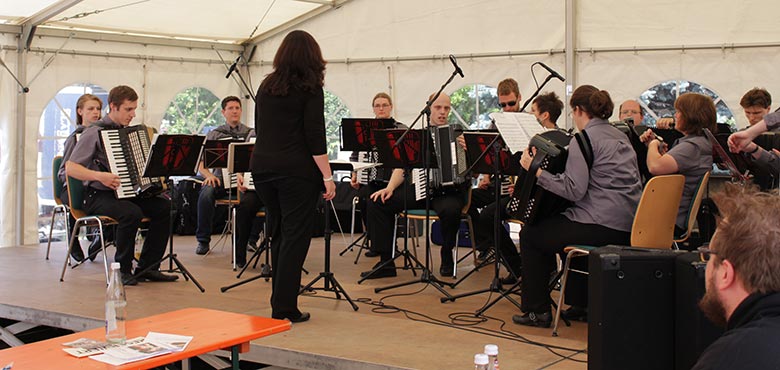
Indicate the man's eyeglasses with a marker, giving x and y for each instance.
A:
(705, 253)
(629, 112)
(509, 103)
(377, 106)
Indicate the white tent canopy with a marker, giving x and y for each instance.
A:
(161, 47)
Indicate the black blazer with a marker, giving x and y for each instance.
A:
(290, 130)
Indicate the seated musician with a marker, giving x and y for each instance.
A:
(247, 225)
(89, 163)
(631, 110)
(742, 141)
(605, 197)
(383, 108)
(88, 111)
(756, 104)
(212, 188)
(447, 201)
(691, 155)
(547, 108)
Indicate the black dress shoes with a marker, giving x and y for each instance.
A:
(378, 274)
(446, 270)
(76, 253)
(155, 275)
(202, 249)
(371, 253)
(303, 316)
(575, 313)
(541, 320)
(508, 280)
(128, 279)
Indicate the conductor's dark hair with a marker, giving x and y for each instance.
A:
(594, 102)
(230, 99)
(298, 64)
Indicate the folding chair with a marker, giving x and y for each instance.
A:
(693, 210)
(653, 226)
(59, 207)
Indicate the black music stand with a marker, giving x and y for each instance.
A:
(357, 135)
(407, 156)
(330, 282)
(487, 153)
(216, 155)
(174, 155)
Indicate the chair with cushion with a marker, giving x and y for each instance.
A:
(59, 207)
(693, 210)
(653, 226)
(76, 196)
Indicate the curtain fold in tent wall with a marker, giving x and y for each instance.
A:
(8, 170)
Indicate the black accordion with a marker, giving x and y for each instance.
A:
(127, 149)
(530, 202)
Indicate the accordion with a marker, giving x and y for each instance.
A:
(365, 176)
(127, 150)
(451, 160)
(639, 148)
(530, 202)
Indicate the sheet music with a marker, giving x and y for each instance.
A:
(356, 166)
(517, 129)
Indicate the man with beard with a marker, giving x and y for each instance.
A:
(743, 282)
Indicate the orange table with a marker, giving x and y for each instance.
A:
(211, 330)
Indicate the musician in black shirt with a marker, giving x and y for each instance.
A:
(447, 201)
(89, 163)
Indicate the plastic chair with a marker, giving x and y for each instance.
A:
(59, 207)
(76, 195)
(693, 210)
(653, 226)
(419, 215)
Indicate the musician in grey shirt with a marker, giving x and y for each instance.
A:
(89, 163)
(605, 195)
(742, 141)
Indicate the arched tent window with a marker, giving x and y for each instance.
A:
(658, 101)
(335, 110)
(195, 110)
(57, 121)
(471, 105)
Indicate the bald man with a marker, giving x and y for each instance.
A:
(447, 201)
(631, 109)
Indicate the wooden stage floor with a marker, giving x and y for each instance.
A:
(400, 328)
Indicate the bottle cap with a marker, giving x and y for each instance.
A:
(481, 359)
(491, 349)
(115, 265)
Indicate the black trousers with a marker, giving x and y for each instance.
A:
(364, 197)
(129, 212)
(290, 203)
(485, 234)
(540, 242)
(246, 213)
(448, 204)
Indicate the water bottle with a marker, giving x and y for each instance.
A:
(481, 361)
(116, 307)
(491, 350)
(139, 244)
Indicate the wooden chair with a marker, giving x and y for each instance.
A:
(419, 215)
(59, 207)
(653, 226)
(76, 196)
(693, 210)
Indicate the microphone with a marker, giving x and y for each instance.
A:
(233, 67)
(455, 64)
(552, 72)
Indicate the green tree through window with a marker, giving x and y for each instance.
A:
(195, 110)
(472, 104)
(335, 110)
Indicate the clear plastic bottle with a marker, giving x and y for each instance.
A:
(481, 361)
(116, 307)
(491, 350)
(139, 244)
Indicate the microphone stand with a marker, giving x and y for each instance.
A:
(426, 276)
(233, 68)
(538, 89)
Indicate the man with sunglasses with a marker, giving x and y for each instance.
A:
(743, 281)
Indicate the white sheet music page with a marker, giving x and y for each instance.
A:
(356, 166)
(517, 129)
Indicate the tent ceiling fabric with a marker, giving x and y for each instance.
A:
(231, 22)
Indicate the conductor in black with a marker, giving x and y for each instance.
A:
(290, 162)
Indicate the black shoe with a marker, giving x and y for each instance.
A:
(202, 249)
(446, 270)
(76, 253)
(381, 273)
(541, 320)
(94, 248)
(484, 256)
(575, 313)
(128, 279)
(508, 280)
(155, 275)
(240, 264)
(371, 253)
(303, 316)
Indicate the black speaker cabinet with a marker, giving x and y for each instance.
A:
(693, 332)
(632, 308)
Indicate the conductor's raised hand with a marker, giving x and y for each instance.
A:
(330, 189)
(382, 195)
(108, 179)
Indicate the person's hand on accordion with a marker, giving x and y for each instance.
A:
(240, 182)
(211, 180)
(527, 158)
(353, 181)
(108, 179)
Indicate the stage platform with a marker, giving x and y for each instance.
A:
(403, 328)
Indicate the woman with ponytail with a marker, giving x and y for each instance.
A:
(604, 198)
